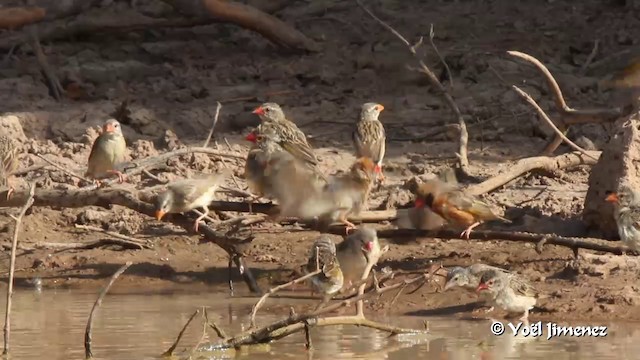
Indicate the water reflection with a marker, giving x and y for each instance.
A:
(50, 325)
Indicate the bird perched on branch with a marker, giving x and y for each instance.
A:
(323, 257)
(8, 162)
(189, 194)
(469, 277)
(452, 204)
(341, 196)
(423, 217)
(107, 152)
(353, 253)
(263, 151)
(509, 292)
(289, 136)
(369, 137)
(627, 214)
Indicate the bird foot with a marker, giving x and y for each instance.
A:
(465, 234)
(195, 225)
(349, 226)
(121, 177)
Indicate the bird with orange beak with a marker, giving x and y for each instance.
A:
(108, 150)
(453, 205)
(627, 215)
(369, 137)
(508, 291)
(188, 194)
(289, 136)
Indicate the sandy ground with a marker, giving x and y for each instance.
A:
(173, 79)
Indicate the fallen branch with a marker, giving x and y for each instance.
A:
(96, 305)
(12, 266)
(573, 243)
(49, 74)
(119, 238)
(213, 126)
(546, 119)
(435, 83)
(75, 198)
(568, 115)
(173, 347)
(526, 165)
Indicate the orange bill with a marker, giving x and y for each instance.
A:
(160, 214)
(612, 197)
(258, 111)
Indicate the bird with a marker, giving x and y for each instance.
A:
(323, 257)
(369, 136)
(353, 253)
(303, 197)
(452, 204)
(189, 194)
(290, 137)
(627, 214)
(107, 152)
(8, 162)
(509, 292)
(264, 149)
(469, 277)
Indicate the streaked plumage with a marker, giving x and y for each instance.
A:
(8, 162)
(509, 292)
(452, 204)
(323, 255)
(627, 214)
(107, 152)
(290, 137)
(369, 136)
(189, 194)
(469, 277)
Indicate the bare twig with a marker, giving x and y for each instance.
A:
(592, 55)
(432, 34)
(52, 80)
(275, 289)
(546, 119)
(173, 347)
(126, 240)
(96, 305)
(203, 336)
(212, 324)
(68, 172)
(213, 126)
(433, 81)
(12, 266)
(307, 336)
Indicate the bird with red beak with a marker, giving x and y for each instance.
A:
(369, 137)
(626, 212)
(353, 253)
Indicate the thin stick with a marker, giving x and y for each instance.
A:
(592, 55)
(546, 119)
(87, 332)
(432, 33)
(68, 172)
(204, 333)
(54, 84)
(213, 126)
(212, 324)
(372, 260)
(173, 347)
(307, 336)
(463, 140)
(12, 267)
(126, 239)
(275, 289)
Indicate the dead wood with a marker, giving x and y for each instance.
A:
(119, 239)
(96, 305)
(568, 115)
(75, 198)
(173, 347)
(463, 139)
(12, 266)
(55, 89)
(12, 18)
(541, 239)
(526, 165)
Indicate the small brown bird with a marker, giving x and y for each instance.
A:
(452, 204)
(509, 292)
(469, 277)
(369, 136)
(8, 162)
(341, 196)
(258, 158)
(189, 194)
(289, 136)
(107, 152)
(323, 256)
(353, 253)
(627, 214)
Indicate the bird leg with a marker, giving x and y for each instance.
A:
(465, 234)
(325, 300)
(10, 191)
(525, 317)
(121, 177)
(204, 214)
(348, 224)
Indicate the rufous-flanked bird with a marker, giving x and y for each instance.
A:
(453, 205)
(108, 150)
(189, 194)
(369, 137)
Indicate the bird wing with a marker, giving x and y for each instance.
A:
(370, 140)
(521, 286)
(295, 142)
(322, 254)
(479, 209)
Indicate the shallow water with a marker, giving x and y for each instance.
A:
(50, 325)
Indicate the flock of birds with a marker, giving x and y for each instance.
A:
(282, 166)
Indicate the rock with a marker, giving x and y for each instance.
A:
(586, 143)
(168, 140)
(141, 149)
(10, 125)
(91, 216)
(617, 164)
